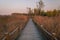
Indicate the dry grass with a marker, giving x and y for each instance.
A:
(15, 21)
(51, 24)
(9, 23)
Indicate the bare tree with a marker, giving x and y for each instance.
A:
(40, 5)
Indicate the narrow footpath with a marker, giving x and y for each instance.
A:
(30, 32)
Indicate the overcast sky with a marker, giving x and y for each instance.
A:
(9, 6)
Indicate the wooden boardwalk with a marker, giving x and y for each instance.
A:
(30, 32)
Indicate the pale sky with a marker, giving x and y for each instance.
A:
(9, 6)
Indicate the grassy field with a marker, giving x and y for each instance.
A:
(51, 24)
(9, 22)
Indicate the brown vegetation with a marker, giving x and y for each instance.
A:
(10, 23)
(50, 22)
